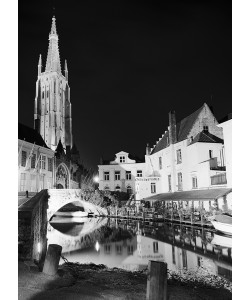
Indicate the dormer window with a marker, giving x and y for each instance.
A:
(122, 159)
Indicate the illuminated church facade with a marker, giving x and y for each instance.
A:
(52, 125)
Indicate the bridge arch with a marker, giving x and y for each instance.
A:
(60, 197)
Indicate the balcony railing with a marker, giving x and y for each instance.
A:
(219, 179)
(214, 165)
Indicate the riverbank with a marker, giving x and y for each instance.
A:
(76, 281)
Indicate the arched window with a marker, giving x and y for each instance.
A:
(117, 188)
(129, 190)
(106, 188)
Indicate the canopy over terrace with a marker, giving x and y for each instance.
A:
(195, 195)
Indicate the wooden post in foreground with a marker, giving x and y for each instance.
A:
(52, 259)
(157, 281)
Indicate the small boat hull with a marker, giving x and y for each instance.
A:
(222, 227)
(222, 241)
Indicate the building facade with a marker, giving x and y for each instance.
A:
(36, 164)
(120, 174)
(186, 157)
(52, 111)
(52, 116)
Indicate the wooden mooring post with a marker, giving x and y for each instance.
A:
(52, 259)
(157, 281)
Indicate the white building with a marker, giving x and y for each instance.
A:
(186, 157)
(120, 174)
(35, 161)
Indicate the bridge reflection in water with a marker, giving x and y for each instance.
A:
(131, 244)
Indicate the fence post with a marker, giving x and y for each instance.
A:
(157, 281)
(52, 259)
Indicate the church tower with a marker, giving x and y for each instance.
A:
(52, 115)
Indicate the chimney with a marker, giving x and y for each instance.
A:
(172, 127)
(148, 149)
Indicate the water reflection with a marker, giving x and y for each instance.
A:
(131, 244)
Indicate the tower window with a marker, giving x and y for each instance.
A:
(24, 158)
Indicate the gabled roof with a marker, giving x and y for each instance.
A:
(186, 125)
(182, 130)
(206, 137)
(30, 135)
(162, 144)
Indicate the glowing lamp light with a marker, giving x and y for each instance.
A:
(39, 247)
(97, 246)
(96, 179)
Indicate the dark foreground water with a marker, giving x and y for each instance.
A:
(131, 244)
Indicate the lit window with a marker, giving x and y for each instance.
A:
(24, 158)
(42, 162)
(179, 181)
(33, 161)
(139, 173)
(117, 175)
(106, 176)
(179, 158)
(194, 182)
(153, 188)
(128, 175)
(122, 159)
(160, 162)
(50, 164)
(155, 247)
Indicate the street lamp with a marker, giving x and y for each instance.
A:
(96, 179)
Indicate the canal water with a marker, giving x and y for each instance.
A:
(131, 244)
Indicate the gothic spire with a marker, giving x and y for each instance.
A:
(53, 58)
(66, 69)
(40, 65)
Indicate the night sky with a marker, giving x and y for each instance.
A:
(130, 63)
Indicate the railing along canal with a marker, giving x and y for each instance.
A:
(193, 217)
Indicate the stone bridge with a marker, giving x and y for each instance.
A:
(33, 217)
(60, 197)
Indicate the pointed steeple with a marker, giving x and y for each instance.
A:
(40, 65)
(53, 58)
(66, 70)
